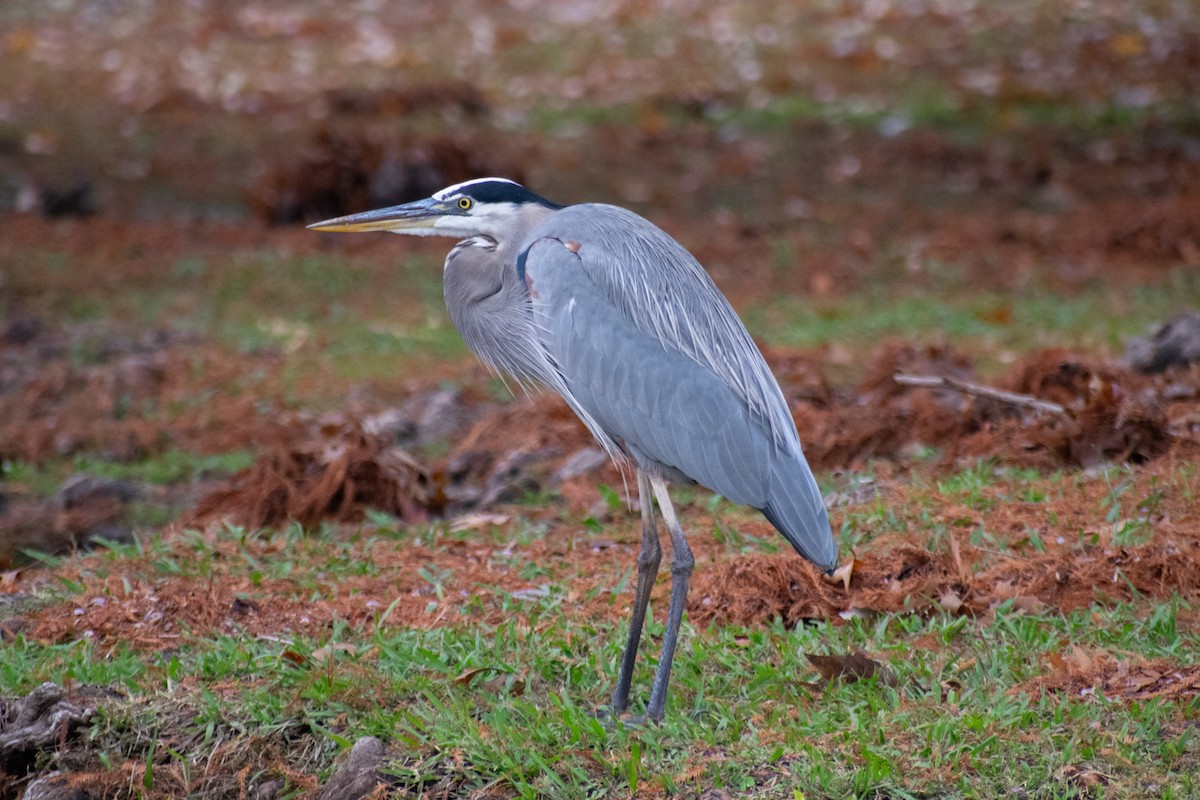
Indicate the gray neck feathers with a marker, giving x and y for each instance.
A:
(488, 303)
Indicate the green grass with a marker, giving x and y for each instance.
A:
(170, 467)
(1096, 317)
(511, 706)
(353, 312)
(918, 104)
(326, 314)
(167, 468)
(746, 714)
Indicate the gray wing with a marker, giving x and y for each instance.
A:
(664, 406)
(661, 289)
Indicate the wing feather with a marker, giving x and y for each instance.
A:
(659, 287)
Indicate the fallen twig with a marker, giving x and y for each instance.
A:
(1012, 398)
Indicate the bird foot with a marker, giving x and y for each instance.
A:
(606, 717)
(639, 721)
(610, 718)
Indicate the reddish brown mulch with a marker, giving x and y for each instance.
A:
(335, 471)
(1111, 413)
(138, 397)
(744, 590)
(750, 590)
(1056, 552)
(1082, 671)
(154, 612)
(1076, 564)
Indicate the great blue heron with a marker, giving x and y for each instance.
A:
(613, 314)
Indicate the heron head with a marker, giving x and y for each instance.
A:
(482, 207)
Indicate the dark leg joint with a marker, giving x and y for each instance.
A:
(649, 560)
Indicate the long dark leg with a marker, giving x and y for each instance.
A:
(681, 571)
(648, 560)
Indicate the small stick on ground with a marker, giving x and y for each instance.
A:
(1012, 398)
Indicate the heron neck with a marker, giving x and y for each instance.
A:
(519, 225)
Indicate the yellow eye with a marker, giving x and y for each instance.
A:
(464, 203)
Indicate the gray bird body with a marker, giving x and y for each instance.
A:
(611, 313)
(653, 352)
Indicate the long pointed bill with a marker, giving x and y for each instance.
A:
(409, 217)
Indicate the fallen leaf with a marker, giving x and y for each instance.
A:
(1082, 661)
(1128, 44)
(950, 601)
(851, 668)
(471, 522)
(956, 553)
(1022, 604)
(465, 678)
(299, 659)
(1083, 777)
(8, 578)
(533, 593)
(860, 613)
(1005, 589)
(842, 574)
(1001, 315)
(327, 652)
(497, 685)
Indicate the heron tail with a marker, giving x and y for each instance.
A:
(796, 509)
